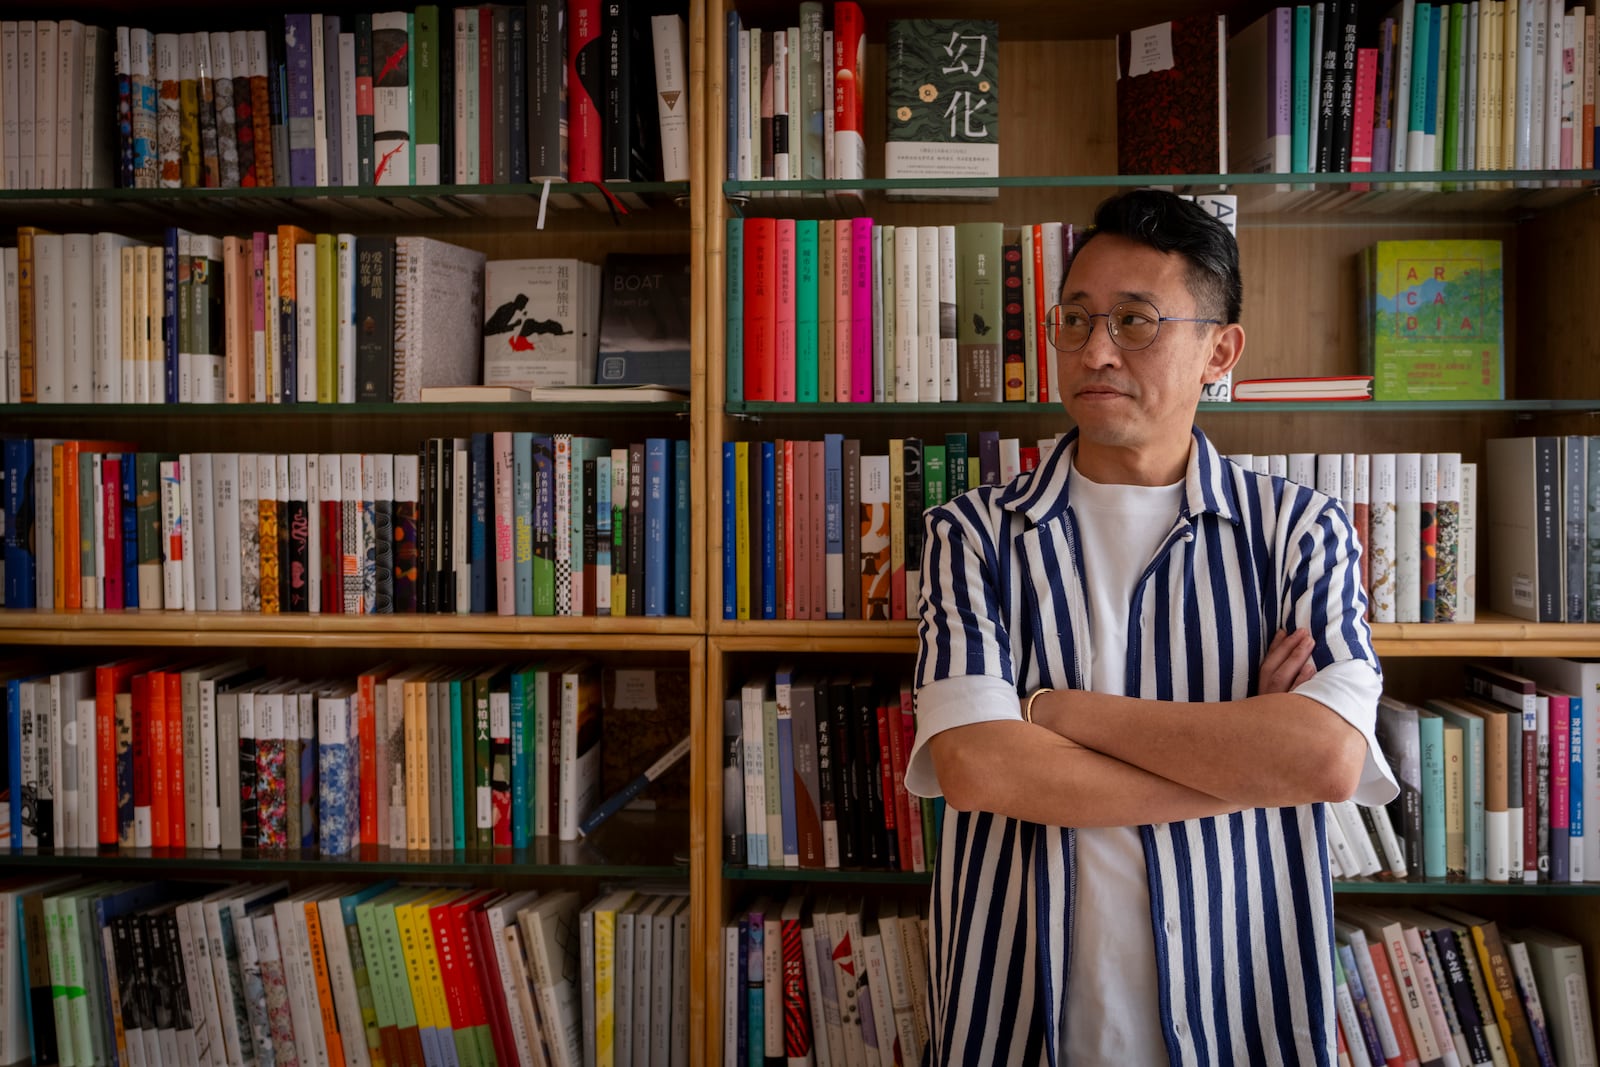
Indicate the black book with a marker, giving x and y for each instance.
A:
(182, 1013)
(1458, 988)
(590, 546)
(827, 760)
(447, 112)
(733, 830)
(444, 571)
(644, 320)
(1327, 74)
(753, 507)
(1345, 114)
(636, 528)
(129, 974)
(374, 319)
(365, 164)
(427, 518)
(544, 509)
(547, 91)
(331, 28)
(913, 491)
(847, 772)
(41, 1005)
(851, 497)
(517, 142)
(298, 559)
(989, 457)
(500, 101)
(869, 758)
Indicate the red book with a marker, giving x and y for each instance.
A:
(761, 309)
(475, 921)
(486, 95)
(139, 692)
(891, 822)
(783, 330)
(111, 501)
(109, 680)
(159, 761)
(908, 740)
(843, 328)
(1170, 97)
(895, 795)
(860, 376)
(849, 95)
(177, 830)
(1030, 457)
(1391, 1004)
(1366, 106)
(1560, 813)
(457, 990)
(367, 751)
(585, 90)
(475, 992)
(819, 543)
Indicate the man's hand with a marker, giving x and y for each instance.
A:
(1287, 663)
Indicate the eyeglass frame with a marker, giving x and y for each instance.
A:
(1110, 331)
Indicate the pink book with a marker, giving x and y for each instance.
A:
(505, 571)
(819, 542)
(800, 554)
(1366, 105)
(784, 338)
(861, 311)
(787, 533)
(843, 329)
(761, 311)
(111, 494)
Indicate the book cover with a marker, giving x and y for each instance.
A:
(978, 329)
(944, 104)
(1435, 325)
(644, 320)
(1172, 97)
(438, 304)
(535, 323)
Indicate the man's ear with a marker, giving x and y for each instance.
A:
(1225, 352)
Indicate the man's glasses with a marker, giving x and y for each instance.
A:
(1132, 324)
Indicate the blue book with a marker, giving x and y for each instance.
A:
(731, 121)
(14, 754)
(791, 832)
(680, 528)
(1435, 90)
(655, 526)
(522, 519)
(479, 558)
(300, 100)
(544, 525)
(19, 515)
(734, 258)
(337, 791)
(1472, 755)
(1358, 995)
(1430, 728)
(730, 547)
(833, 521)
(1575, 756)
(458, 775)
(602, 529)
(521, 719)
(769, 541)
(130, 532)
(755, 988)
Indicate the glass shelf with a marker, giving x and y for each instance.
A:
(853, 876)
(630, 845)
(165, 412)
(765, 408)
(1427, 193)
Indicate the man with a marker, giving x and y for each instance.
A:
(1143, 669)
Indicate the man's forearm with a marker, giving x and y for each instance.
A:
(1265, 751)
(1029, 773)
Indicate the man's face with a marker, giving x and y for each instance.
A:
(1135, 409)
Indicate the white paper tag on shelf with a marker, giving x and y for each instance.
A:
(1150, 50)
(544, 200)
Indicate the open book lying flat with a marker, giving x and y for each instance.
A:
(511, 394)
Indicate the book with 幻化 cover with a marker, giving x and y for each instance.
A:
(944, 104)
(1172, 97)
(1434, 320)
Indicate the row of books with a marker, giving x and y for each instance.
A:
(514, 523)
(153, 752)
(828, 980)
(474, 95)
(1544, 527)
(814, 775)
(172, 974)
(1416, 517)
(1447, 986)
(1494, 783)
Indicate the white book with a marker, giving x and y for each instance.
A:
(466, 93)
(319, 100)
(209, 360)
(1408, 537)
(342, 980)
(1355, 833)
(1052, 239)
(69, 104)
(392, 113)
(92, 575)
(1557, 965)
(1467, 558)
(273, 353)
(1555, 47)
(46, 71)
(27, 99)
(755, 787)
(752, 78)
(876, 971)
(672, 95)
(927, 317)
(49, 318)
(11, 351)
(186, 530)
(830, 167)
(225, 529)
(819, 1031)
(307, 357)
(550, 930)
(349, 162)
(580, 766)
(155, 389)
(186, 369)
(499, 914)
(194, 1042)
(108, 358)
(893, 933)
(1532, 78)
(907, 362)
(1381, 528)
(1341, 860)
(948, 389)
(733, 995)
(202, 522)
(310, 1043)
(789, 73)
(10, 156)
(346, 256)
(83, 709)
(780, 104)
(123, 296)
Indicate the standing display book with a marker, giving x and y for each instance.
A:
(944, 104)
(1172, 97)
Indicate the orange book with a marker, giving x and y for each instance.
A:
(319, 968)
(288, 328)
(25, 236)
(177, 832)
(159, 790)
(236, 312)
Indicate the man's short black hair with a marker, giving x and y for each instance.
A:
(1167, 222)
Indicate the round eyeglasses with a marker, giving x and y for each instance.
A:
(1132, 324)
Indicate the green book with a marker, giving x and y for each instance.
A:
(479, 801)
(327, 320)
(377, 962)
(460, 759)
(360, 972)
(956, 473)
(1450, 130)
(943, 87)
(1472, 758)
(1430, 728)
(934, 487)
(805, 311)
(424, 25)
(980, 292)
(1434, 320)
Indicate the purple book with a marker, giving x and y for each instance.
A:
(301, 128)
(1383, 123)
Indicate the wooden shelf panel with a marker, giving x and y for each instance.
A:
(238, 629)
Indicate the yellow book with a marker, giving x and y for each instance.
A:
(327, 320)
(433, 974)
(605, 975)
(319, 970)
(741, 521)
(897, 528)
(1510, 20)
(405, 915)
(1455, 804)
(155, 297)
(416, 762)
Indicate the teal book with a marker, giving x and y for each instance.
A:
(933, 476)
(584, 450)
(521, 719)
(1472, 756)
(1434, 320)
(733, 339)
(955, 465)
(805, 311)
(1423, 59)
(1431, 729)
(460, 762)
(1300, 133)
(522, 519)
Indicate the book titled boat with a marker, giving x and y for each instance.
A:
(944, 104)
(1434, 320)
(1335, 387)
(644, 321)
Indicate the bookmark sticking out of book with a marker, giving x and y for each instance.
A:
(1339, 387)
(633, 788)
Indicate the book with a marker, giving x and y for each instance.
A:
(1172, 97)
(439, 293)
(944, 104)
(1338, 387)
(644, 321)
(538, 323)
(1433, 320)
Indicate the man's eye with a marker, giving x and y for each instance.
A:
(1074, 320)
(1132, 318)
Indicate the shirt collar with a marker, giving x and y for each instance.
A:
(1043, 494)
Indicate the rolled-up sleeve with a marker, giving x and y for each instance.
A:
(964, 666)
(1326, 598)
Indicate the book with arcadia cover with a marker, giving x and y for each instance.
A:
(1434, 320)
(944, 104)
(1172, 97)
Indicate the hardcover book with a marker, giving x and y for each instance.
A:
(644, 321)
(538, 322)
(944, 104)
(438, 299)
(1434, 316)
(1172, 97)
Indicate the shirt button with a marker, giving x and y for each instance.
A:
(1178, 1028)
(1172, 927)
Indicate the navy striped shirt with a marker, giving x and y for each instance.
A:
(1241, 904)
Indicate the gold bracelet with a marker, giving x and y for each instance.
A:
(1027, 705)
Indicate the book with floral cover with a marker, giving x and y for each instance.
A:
(1172, 98)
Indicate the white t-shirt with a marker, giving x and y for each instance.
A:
(1113, 1010)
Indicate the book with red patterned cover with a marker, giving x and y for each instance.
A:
(1171, 97)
